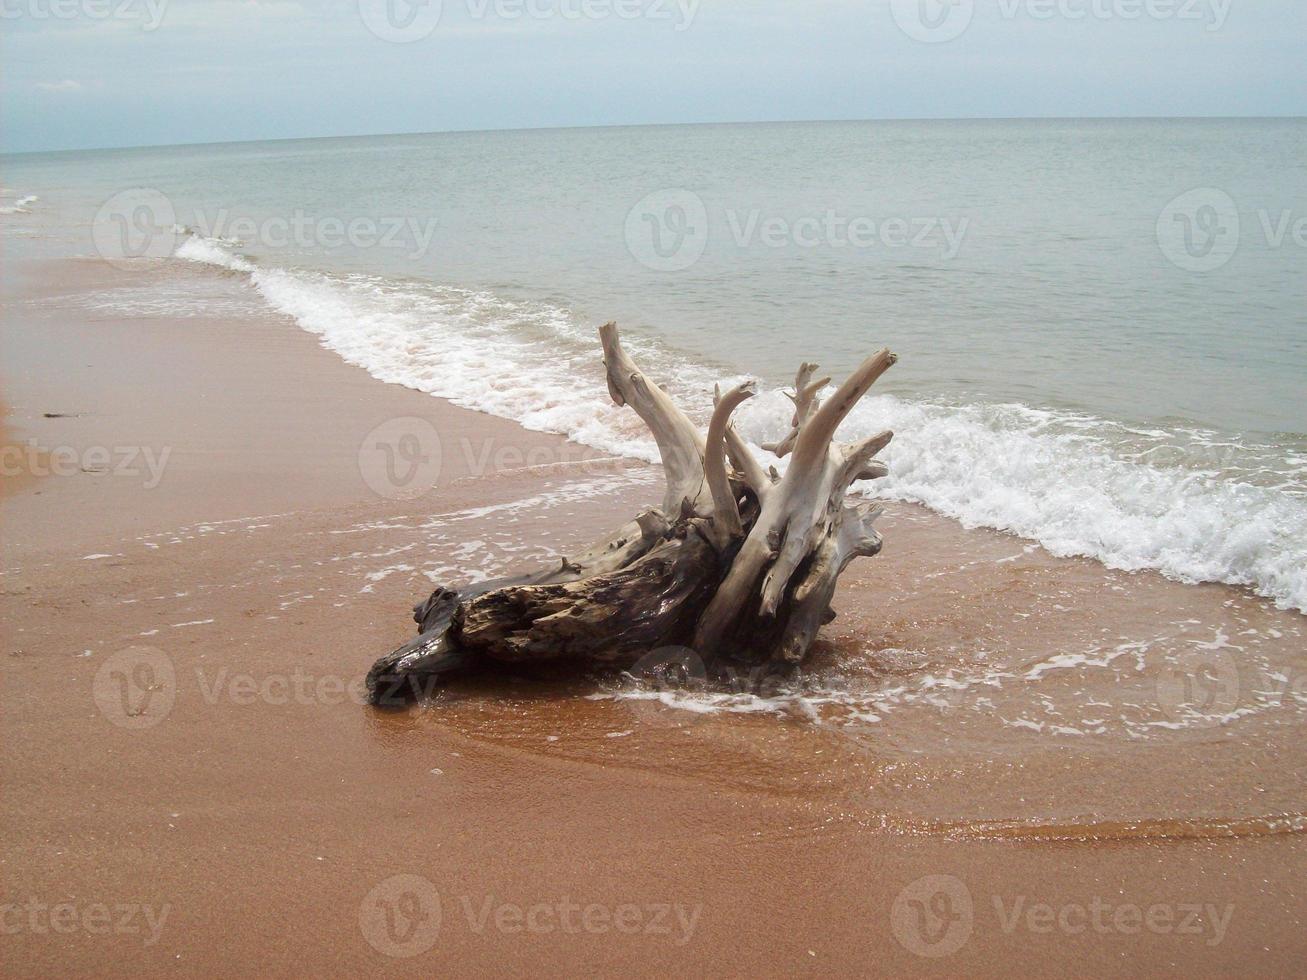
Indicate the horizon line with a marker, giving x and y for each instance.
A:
(655, 125)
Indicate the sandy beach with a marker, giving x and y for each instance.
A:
(192, 787)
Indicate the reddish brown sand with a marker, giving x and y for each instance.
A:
(190, 787)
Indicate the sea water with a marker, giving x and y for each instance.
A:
(1102, 324)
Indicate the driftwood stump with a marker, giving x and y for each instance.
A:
(739, 563)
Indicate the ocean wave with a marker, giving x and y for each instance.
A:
(1182, 502)
(21, 206)
(853, 699)
(1041, 475)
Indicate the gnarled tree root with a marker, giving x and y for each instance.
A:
(739, 562)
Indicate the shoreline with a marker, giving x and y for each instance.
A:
(251, 795)
(280, 425)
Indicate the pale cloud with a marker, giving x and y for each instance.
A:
(65, 85)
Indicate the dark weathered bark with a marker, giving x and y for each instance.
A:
(614, 618)
(739, 561)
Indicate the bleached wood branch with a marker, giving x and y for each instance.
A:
(680, 444)
(726, 509)
(801, 510)
(806, 402)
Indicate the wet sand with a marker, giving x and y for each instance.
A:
(987, 769)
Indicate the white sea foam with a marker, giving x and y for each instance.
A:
(21, 206)
(1077, 485)
(1016, 696)
(1040, 475)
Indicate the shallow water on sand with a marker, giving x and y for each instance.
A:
(971, 686)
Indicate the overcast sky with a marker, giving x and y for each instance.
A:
(87, 73)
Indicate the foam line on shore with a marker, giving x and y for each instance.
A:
(1190, 504)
